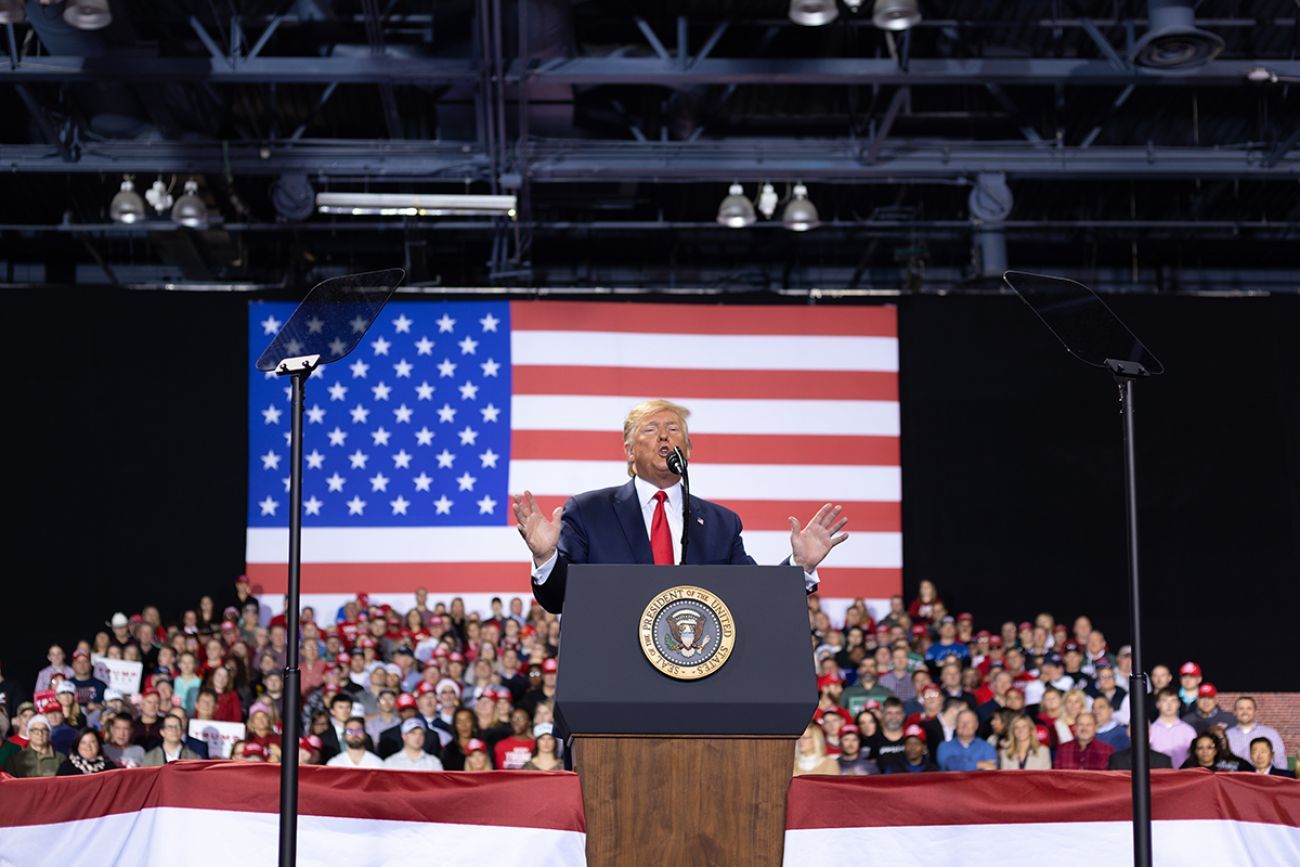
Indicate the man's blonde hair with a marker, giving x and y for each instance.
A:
(648, 408)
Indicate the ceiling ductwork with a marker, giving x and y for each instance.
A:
(1173, 42)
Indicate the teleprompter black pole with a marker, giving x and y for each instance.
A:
(1137, 693)
(292, 676)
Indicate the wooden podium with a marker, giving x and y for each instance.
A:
(684, 771)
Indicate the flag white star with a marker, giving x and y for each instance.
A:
(380, 346)
(402, 460)
(358, 459)
(446, 369)
(424, 391)
(379, 482)
(288, 437)
(467, 436)
(380, 436)
(359, 369)
(424, 346)
(489, 322)
(338, 436)
(424, 436)
(403, 369)
(360, 414)
(312, 505)
(486, 505)
(288, 392)
(315, 324)
(399, 505)
(402, 324)
(337, 346)
(270, 461)
(490, 367)
(445, 459)
(490, 412)
(446, 413)
(442, 505)
(271, 414)
(288, 483)
(315, 415)
(359, 325)
(403, 414)
(445, 324)
(315, 460)
(467, 346)
(293, 347)
(268, 506)
(338, 391)
(381, 391)
(423, 481)
(336, 482)
(489, 458)
(356, 506)
(466, 482)
(468, 391)
(270, 325)
(317, 372)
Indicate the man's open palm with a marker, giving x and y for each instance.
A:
(540, 533)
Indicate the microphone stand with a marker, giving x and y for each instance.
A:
(679, 466)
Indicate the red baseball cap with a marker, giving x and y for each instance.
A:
(424, 687)
(872, 704)
(253, 748)
(242, 579)
(918, 629)
(850, 729)
(995, 641)
(931, 689)
(475, 746)
(965, 617)
(550, 666)
(405, 700)
(1017, 690)
(983, 633)
(914, 731)
(456, 656)
(1207, 690)
(826, 680)
(80, 653)
(1190, 668)
(1024, 625)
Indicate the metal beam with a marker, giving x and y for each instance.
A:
(641, 70)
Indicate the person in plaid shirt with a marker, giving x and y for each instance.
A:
(1085, 752)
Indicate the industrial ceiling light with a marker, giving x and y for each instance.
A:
(87, 14)
(767, 201)
(416, 205)
(800, 214)
(1172, 41)
(895, 14)
(813, 13)
(13, 11)
(189, 210)
(736, 211)
(127, 206)
(293, 197)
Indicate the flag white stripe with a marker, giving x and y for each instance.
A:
(790, 417)
(824, 482)
(503, 545)
(704, 351)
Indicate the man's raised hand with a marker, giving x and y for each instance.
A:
(541, 535)
(810, 545)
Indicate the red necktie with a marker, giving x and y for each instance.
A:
(661, 541)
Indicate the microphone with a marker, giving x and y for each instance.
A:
(677, 461)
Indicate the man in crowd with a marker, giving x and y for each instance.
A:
(332, 739)
(965, 752)
(898, 680)
(516, 749)
(1106, 686)
(120, 749)
(950, 685)
(1169, 734)
(1085, 752)
(1189, 680)
(90, 689)
(1246, 730)
(38, 758)
(58, 665)
(1206, 713)
(1261, 759)
(1109, 729)
(947, 645)
(355, 754)
(412, 756)
(867, 687)
(172, 748)
(888, 744)
(914, 758)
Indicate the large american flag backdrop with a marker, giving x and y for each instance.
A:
(414, 442)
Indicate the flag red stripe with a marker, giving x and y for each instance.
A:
(773, 514)
(524, 799)
(702, 319)
(863, 583)
(736, 384)
(555, 445)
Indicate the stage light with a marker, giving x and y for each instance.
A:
(12, 11)
(736, 211)
(767, 201)
(127, 206)
(416, 204)
(1173, 42)
(189, 210)
(800, 214)
(895, 14)
(293, 197)
(88, 14)
(813, 13)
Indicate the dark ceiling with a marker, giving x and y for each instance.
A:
(620, 125)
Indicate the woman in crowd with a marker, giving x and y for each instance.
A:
(545, 756)
(1074, 703)
(1000, 725)
(1207, 753)
(229, 706)
(85, 757)
(101, 645)
(1050, 710)
(922, 608)
(810, 756)
(206, 621)
(477, 757)
(311, 665)
(464, 729)
(67, 698)
(259, 727)
(1022, 751)
(186, 683)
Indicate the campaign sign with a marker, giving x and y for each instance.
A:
(219, 736)
(122, 675)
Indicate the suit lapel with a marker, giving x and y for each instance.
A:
(628, 510)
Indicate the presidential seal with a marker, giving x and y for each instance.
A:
(687, 633)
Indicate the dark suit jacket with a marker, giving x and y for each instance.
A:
(607, 526)
(1123, 761)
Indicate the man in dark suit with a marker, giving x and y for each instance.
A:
(641, 521)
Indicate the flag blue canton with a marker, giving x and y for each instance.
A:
(412, 429)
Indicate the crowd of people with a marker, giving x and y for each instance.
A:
(921, 690)
(437, 687)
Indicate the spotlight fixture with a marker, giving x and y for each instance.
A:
(189, 210)
(13, 11)
(87, 14)
(293, 197)
(895, 14)
(813, 13)
(853, 5)
(416, 205)
(1173, 42)
(127, 206)
(800, 214)
(159, 196)
(767, 201)
(736, 211)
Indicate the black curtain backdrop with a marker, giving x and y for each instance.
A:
(126, 454)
